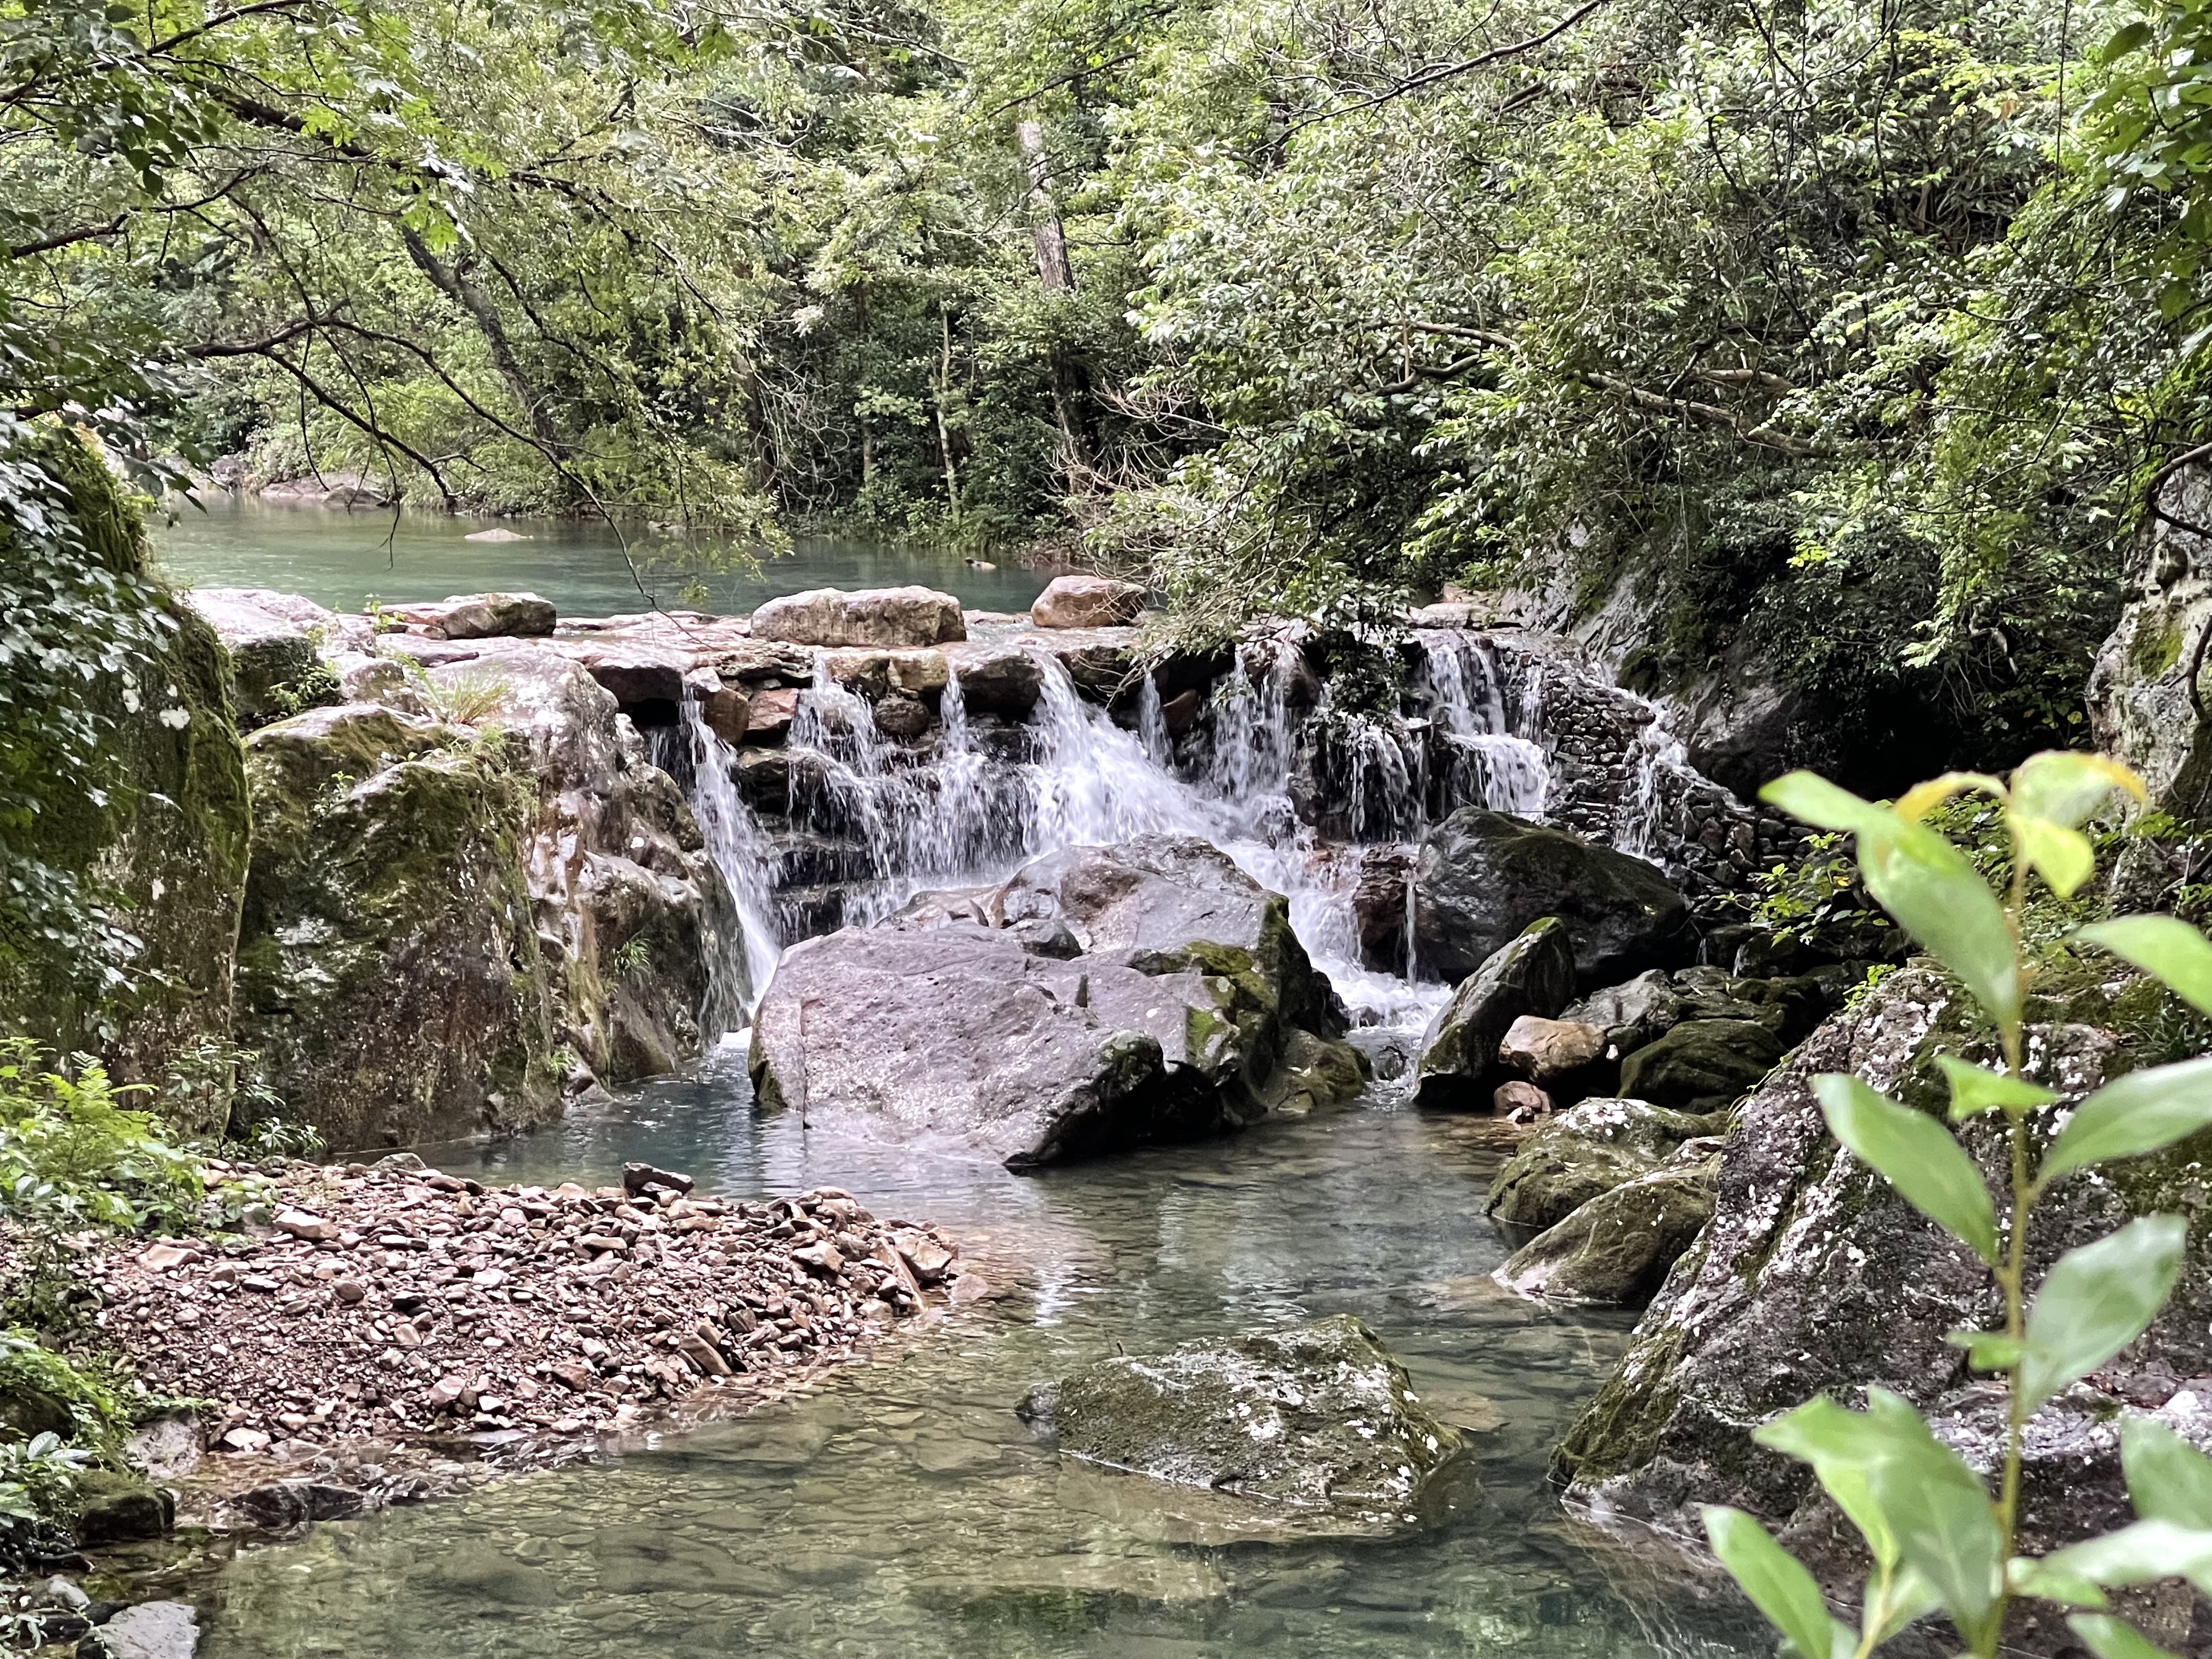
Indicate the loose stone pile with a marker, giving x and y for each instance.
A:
(398, 1303)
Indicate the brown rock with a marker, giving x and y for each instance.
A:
(1521, 1102)
(1088, 602)
(305, 1225)
(1546, 1048)
(704, 1357)
(769, 717)
(726, 712)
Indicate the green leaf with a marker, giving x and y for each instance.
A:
(2168, 1478)
(2138, 1554)
(1839, 1445)
(1917, 1155)
(1909, 1597)
(2108, 1638)
(1811, 797)
(2126, 40)
(2134, 1115)
(1987, 1351)
(2098, 1299)
(1777, 1584)
(2052, 1582)
(1977, 1089)
(2061, 855)
(2064, 786)
(1940, 1512)
(2165, 946)
(1923, 881)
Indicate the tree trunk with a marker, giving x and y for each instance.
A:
(1053, 271)
(944, 429)
(452, 281)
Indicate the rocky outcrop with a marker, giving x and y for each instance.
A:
(1103, 997)
(160, 836)
(1588, 1150)
(389, 974)
(1534, 974)
(1318, 1416)
(1615, 1250)
(882, 616)
(1482, 876)
(1814, 1275)
(1088, 602)
(481, 617)
(2147, 703)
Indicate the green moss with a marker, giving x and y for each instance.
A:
(2153, 651)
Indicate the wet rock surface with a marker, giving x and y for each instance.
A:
(1482, 876)
(394, 1317)
(1317, 1415)
(1533, 974)
(1614, 1250)
(1586, 1151)
(1102, 999)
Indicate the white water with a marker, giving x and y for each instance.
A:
(968, 815)
(740, 968)
(1660, 758)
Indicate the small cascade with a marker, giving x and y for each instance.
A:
(1661, 766)
(1496, 758)
(1152, 724)
(742, 957)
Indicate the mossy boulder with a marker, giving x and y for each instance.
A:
(1587, 1150)
(1482, 876)
(1317, 1415)
(1815, 1276)
(163, 833)
(389, 974)
(114, 1507)
(1614, 1250)
(1701, 1065)
(1532, 973)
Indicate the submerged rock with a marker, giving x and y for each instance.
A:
(1482, 876)
(1103, 997)
(1533, 974)
(879, 616)
(1585, 1150)
(1614, 1250)
(1317, 1415)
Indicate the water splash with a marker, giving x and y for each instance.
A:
(742, 960)
(1661, 768)
(1495, 755)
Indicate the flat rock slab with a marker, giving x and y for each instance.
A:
(881, 616)
(152, 1630)
(1319, 1416)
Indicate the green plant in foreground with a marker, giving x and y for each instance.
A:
(71, 1155)
(1938, 1539)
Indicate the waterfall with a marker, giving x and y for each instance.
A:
(1497, 760)
(742, 961)
(1659, 759)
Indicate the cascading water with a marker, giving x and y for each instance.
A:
(1491, 763)
(744, 959)
(1660, 760)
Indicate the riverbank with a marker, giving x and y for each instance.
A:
(380, 1322)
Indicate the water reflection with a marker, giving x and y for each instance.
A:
(905, 1513)
(339, 558)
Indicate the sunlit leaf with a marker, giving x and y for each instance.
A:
(2136, 1113)
(1987, 1351)
(2062, 856)
(1917, 1155)
(2064, 787)
(2139, 1554)
(2096, 1300)
(2165, 946)
(1923, 798)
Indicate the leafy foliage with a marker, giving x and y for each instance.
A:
(72, 1156)
(1938, 1539)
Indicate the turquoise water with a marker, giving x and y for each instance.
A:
(340, 559)
(904, 1512)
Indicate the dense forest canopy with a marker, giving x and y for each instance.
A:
(1841, 343)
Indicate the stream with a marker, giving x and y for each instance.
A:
(903, 1511)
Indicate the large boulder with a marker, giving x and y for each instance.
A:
(1534, 974)
(1701, 1065)
(1614, 1250)
(1631, 1014)
(1102, 998)
(1088, 602)
(390, 973)
(481, 617)
(1482, 876)
(1587, 1150)
(1319, 1415)
(276, 662)
(2147, 703)
(880, 616)
(1816, 1276)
